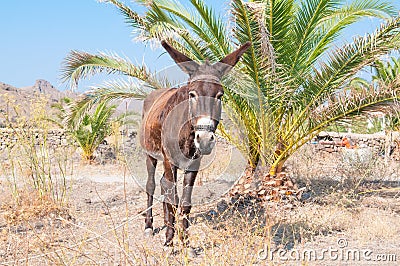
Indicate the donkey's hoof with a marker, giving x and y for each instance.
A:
(148, 232)
(168, 244)
(169, 249)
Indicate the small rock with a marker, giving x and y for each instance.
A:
(289, 183)
(39, 225)
(191, 252)
(222, 206)
(212, 213)
(288, 206)
(87, 201)
(291, 192)
(281, 175)
(283, 192)
(270, 183)
(268, 197)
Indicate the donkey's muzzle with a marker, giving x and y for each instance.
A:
(204, 141)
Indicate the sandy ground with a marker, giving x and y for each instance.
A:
(102, 221)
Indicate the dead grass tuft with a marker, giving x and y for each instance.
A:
(30, 207)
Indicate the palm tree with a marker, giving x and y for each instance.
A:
(291, 83)
(93, 129)
(88, 129)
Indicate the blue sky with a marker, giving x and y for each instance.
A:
(37, 35)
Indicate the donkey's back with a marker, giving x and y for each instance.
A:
(150, 135)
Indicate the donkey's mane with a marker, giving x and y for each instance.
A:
(181, 94)
(186, 133)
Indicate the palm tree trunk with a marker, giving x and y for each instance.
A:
(277, 165)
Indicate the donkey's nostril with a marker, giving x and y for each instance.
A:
(212, 137)
(198, 137)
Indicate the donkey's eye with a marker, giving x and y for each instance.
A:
(219, 95)
(192, 95)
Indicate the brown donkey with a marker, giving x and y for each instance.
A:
(178, 128)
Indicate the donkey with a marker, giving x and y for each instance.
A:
(178, 128)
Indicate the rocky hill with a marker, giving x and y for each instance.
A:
(16, 102)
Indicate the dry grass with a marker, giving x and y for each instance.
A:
(30, 207)
(110, 233)
(30, 161)
(100, 223)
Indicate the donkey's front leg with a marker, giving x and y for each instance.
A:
(170, 202)
(186, 202)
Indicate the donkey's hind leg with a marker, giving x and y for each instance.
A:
(151, 164)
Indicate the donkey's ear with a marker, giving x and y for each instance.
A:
(229, 61)
(185, 63)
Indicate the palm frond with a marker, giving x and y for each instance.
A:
(201, 23)
(260, 60)
(175, 33)
(386, 72)
(110, 91)
(307, 17)
(343, 63)
(279, 20)
(332, 25)
(354, 102)
(364, 9)
(79, 65)
(138, 23)
(358, 82)
(342, 107)
(214, 26)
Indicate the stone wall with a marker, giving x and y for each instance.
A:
(9, 137)
(325, 141)
(379, 143)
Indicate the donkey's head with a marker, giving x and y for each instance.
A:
(205, 92)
